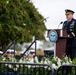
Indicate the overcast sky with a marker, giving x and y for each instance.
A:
(55, 10)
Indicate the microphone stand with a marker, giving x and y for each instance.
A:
(59, 24)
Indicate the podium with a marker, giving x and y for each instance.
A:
(60, 44)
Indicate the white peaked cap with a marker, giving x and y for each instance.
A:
(1, 52)
(10, 50)
(22, 52)
(31, 50)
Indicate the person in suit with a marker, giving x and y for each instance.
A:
(70, 26)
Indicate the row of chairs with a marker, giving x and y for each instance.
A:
(18, 68)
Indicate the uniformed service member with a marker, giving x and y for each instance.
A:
(10, 53)
(70, 26)
(32, 53)
(25, 55)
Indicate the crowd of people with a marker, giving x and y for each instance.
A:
(12, 53)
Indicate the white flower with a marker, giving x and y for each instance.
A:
(45, 62)
(17, 66)
(70, 60)
(54, 66)
(66, 58)
(29, 66)
(48, 61)
(7, 2)
(63, 63)
(4, 59)
(24, 24)
(10, 66)
(41, 62)
(20, 60)
(6, 64)
(36, 60)
(15, 69)
(30, 60)
(68, 63)
(59, 62)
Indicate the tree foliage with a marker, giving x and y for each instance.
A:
(20, 18)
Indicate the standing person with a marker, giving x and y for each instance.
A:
(70, 26)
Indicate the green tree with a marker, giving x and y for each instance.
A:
(19, 18)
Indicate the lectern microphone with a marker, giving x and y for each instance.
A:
(59, 24)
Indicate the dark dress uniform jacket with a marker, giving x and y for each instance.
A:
(70, 28)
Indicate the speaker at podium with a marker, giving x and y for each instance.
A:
(59, 37)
